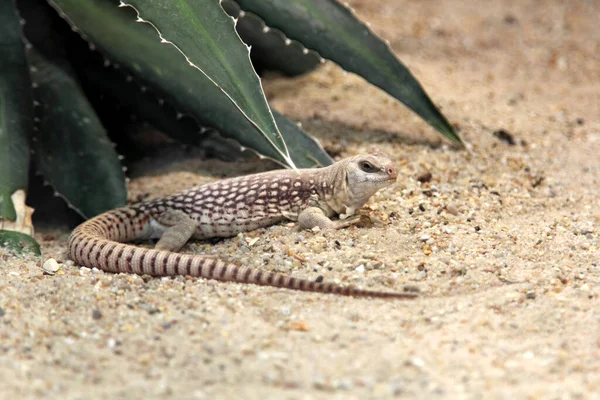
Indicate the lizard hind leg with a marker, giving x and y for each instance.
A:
(181, 228)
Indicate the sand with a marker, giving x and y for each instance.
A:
(502, 242)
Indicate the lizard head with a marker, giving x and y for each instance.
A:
(365, 175)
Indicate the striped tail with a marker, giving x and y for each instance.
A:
(95, 244)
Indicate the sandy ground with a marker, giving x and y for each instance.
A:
(503, 242)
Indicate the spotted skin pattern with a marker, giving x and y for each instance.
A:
(226, 208)
(242, 204)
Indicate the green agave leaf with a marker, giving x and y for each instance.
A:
(16, 112)
(331, 29)
(135, 46)
(19, 243)
(205, 34)
(72, 149)
(271, 50)
(305, 150)
(115, 89)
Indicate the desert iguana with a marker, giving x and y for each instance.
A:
(226, 208)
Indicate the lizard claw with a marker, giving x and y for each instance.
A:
(353, 220)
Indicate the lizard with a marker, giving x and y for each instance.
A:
(227, 207)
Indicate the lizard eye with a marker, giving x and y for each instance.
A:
(367, 166)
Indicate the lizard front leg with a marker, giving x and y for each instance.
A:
(314, 216)
(182, 227)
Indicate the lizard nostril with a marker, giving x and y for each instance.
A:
(391, 171)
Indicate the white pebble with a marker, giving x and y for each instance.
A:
(417, 362)
(452, 209)
(84, 271)
(51, 266)
(585, 288)
(424, 238)
(360, 268)
(252, 241)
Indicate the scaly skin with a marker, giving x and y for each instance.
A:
(226, 208)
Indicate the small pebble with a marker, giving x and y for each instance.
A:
(421, 276)
(360, 268)
(584, 288)
(375, 265)
(512, 296)
(505, 136)
(425, 177)
(452, 209)
(2, 312)
(411, 289)
(240, 237)
(344, 384)
(153, 310)
(51, 266)
(530, 295)
(417, 362)
(96, 314)
(424, 238)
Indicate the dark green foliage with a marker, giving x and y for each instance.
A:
(202, 32)
(270, 49)
(19, 243)
(332, 30)
(305, 150)
(15, 110)
(71, 147)
(163, 67)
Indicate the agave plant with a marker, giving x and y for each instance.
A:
(162, 60)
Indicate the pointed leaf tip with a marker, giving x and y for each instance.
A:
(332, 29)
(201, 33)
